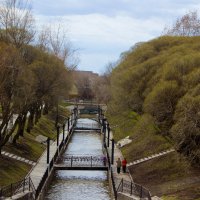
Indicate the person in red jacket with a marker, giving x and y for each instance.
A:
(124, 163)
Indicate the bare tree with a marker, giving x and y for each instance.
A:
(17, 22)
(187, 25)
(43, 39)
(53, 39)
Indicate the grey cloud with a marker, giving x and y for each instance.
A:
(140, 9)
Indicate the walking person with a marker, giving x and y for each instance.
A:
(119, 164)
(124, 163)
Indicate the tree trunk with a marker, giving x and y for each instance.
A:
(20, 130)
(46, 109)
(30, 121)
(23, 126)
(5, 138)
(16, 137)
(38, 114)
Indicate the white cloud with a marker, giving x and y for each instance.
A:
(103, 29)
(97, 28)
(102, 38)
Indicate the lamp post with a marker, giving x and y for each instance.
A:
(68, 123)
(58, 130)
(56, 122)
(104, 130)
(48, 149)
(63, 132)
(99, 113)
(112, 154)
(108, 137)
(71, 117)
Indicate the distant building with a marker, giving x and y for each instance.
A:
(84, 82)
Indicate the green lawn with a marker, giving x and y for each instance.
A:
(170, 176)
(12, 171)
(28, 147)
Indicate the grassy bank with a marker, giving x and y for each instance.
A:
(28, 147)
(171, 176)
(12, 171)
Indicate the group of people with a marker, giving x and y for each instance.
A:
(120, 164)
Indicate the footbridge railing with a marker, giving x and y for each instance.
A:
(82, 162)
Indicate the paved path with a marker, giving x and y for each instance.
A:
(118, 177)
(19, 158)
(39, 170)
(127, 176)
(150, 157)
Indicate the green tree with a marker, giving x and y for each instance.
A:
(161, 103)
(186, 130)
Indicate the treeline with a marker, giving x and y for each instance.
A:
(34, 75)
(156, 86)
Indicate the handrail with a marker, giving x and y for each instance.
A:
(26, 183)
(113, 183)
(126, 186)
(121, 182)
(14, 188)
(133, 189)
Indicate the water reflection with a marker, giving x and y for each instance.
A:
(85, 143)
(79, 185)
(75, 185)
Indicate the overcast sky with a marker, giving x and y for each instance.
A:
(102, 29)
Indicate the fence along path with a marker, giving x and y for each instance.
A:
(126, 177)
(40, 172)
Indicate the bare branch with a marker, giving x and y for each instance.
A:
(187, 25)
(17, 22)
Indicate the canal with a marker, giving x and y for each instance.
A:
(79, 185)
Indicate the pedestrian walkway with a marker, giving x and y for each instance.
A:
(126, 176)
(118, 177)
(19, 158)
(39, 170)
(150, 157)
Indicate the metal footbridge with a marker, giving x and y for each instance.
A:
(82, 163)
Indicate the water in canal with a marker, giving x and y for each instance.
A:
(79, 185)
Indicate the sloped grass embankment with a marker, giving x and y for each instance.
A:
(170, 176)
(11, 170)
